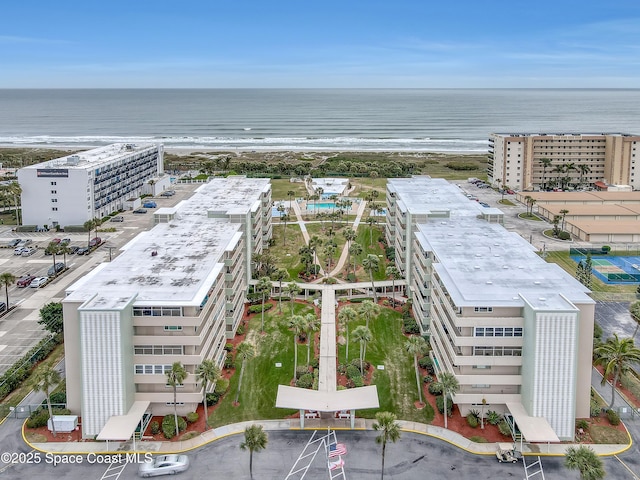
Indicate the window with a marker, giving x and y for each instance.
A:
(157, 311)
(54, 209)
(483, 309)
(54, 192)
(151, 369)
(158, 349)
(54, 200)
(173, 328)
(53, 183)
(498, 351)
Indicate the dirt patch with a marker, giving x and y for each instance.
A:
(626, 393)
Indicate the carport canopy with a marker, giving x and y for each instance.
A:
(533, 429)
(304, 399)
(122, 427)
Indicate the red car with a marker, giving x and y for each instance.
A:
(25, 281)
(56, 240)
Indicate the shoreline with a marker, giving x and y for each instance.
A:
(239, 151)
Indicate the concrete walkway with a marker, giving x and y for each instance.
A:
(344, 256)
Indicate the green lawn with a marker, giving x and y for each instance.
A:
(365, 235)
(261, 377)
(280, 187)
(397, 382)
(286, 255)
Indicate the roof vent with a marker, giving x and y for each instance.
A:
(542, 299)
(505, 267)
(477, 267)
(458, 244)
(489, 282)
(478, 254)
(537, 282)
(520, 267)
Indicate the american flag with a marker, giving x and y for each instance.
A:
(337, 449)
(336, 465)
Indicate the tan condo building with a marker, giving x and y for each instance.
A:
(514, 330)
(547, 161)
(175, 294)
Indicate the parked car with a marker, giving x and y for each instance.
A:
(24, 243)
(139, 210)
(25, 281)
(3, 306)
(485, 205)
(73, 248)
(57, 268)
(56, 240)
(164, 465)
(65, 241)
(510, 192)
(82, 251)
(14, 243)
(149, 205)
(117, 218)
(27, 252)
(19, 250)
(168, 193)
(38, 282)
(94, 242)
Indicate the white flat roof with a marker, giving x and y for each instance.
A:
(533, 429)
(482, 264)
(305, 399)
(122, 427)
(95, 157)
(427, 196)
(189, 251)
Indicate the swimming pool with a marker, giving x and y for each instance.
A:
(320, 205)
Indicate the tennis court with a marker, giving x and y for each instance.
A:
(614, 269)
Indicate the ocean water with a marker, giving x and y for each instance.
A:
(437, 120)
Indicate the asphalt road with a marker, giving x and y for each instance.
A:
(412, 457)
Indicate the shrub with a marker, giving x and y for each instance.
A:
(315, 362)
(38, 419)
(212, 399)
(410, 326)
(222, 386)
(365, 365)
(385, 302)
(58, 398)
(472, 420)
(614, 418)
(583, 424)
(440, 405)
(564, 236)
(461, 166)
(357, 381)
(493, 417)
(301, 370)
(475, 413)
(477, 439)
(594, 409)
(606, 248)
(228, 347)
(155, 428)
(305, 381)
(228, 362)
(353, 372)
(192, 417)
(427, 363)
(169, 426)
(504, 428)
(435, 388)
(258, 308)
(240, 330)
(427, 379)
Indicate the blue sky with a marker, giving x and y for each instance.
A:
(346, 43)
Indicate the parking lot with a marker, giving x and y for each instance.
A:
(19, 329)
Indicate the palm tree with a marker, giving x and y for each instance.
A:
(285, 217)
(208, 373)
(393, 273)
(314, 243)
(329, 251)
(350, 235)
(63, 249)
(616, 356)
(371, 221)
(279, 276)
(89, 225)
(347, 315)
(52, 249)
(586, 461)
(290, 194)
(584, 169)
(368, 310)
(96, 223)
(363, 335)
(559, 169)
(634, 310)
(389, 431)
(546, 163)
(15, 189)
(244, 351)
(292, 290)
(450, 386)
(7, 279)
(298, 324)
(263, 287)
(568, 168)
(45, 381)
(563, 212)
(255, 439)
(354, 250)
(176, 376)
(417, 346)
(313, 325)
(371, 264)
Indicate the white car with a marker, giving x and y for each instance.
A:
(38, 282)
(19, 250)
(27, 252)
(164, 465)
